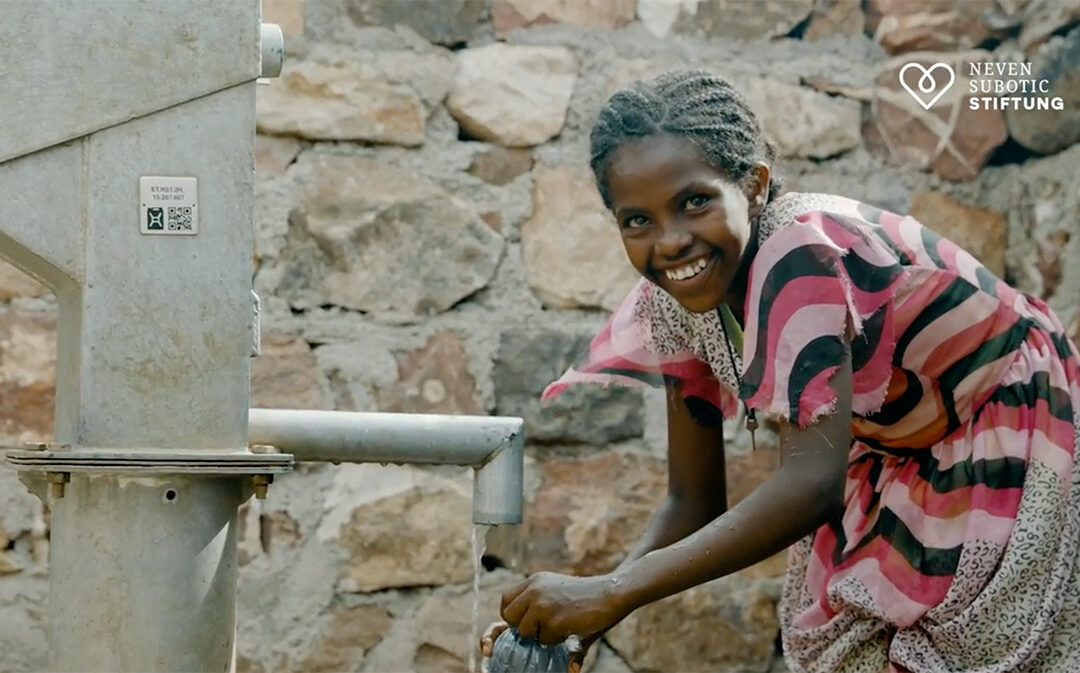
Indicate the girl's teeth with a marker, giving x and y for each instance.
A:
(687, 271)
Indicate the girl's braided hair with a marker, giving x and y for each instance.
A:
(691, 104)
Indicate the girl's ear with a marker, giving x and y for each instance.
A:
(757, 189)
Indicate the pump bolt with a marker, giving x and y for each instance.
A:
(262, 483)
(56, 483)
(47, 446)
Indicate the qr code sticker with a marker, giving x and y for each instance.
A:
(179, 218)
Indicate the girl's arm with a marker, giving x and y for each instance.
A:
(697, 493)
(806, 492)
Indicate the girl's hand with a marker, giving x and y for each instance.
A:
(487, 641)
(551, 607)
(579, 649)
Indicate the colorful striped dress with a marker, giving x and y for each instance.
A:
(956, 550)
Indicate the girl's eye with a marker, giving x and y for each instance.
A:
(698, 201)
(636, 222)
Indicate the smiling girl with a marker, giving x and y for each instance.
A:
(927, 411)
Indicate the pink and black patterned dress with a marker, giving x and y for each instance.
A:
(957, 548)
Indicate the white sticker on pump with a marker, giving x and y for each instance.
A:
(169, 206)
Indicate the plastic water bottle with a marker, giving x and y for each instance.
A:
(513, 654)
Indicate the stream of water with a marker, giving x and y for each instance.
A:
(479, 546)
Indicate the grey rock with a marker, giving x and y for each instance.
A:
(339, 102)
(285, 374)
(731, 624)
(528, 360)
(442, 627)
(571, 247)
(27, 376)
(1043, 18)
(1049, 131)
(803, 122)
(373, 238)
(835, 17)
(500, 165)
(902, 26)
(24, 601)
(980, 231)
(289, 14)
(718, 18)
(414, 537)
(372, 96)
(513, 95)
(507, 15)
(440, 21)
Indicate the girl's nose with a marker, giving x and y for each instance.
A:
(673, 241)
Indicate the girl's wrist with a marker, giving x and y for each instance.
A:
(653, 577)
(624, 590)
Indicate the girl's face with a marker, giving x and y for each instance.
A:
(684, 224)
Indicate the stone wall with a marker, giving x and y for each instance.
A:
(429, 241)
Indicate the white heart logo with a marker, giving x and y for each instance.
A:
(927, 84)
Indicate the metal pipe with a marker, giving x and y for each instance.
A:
(498, 484)
(493, 445)
(272, 49)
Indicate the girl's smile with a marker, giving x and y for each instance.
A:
(688, 270)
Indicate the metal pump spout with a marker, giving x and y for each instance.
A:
(492, 445)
